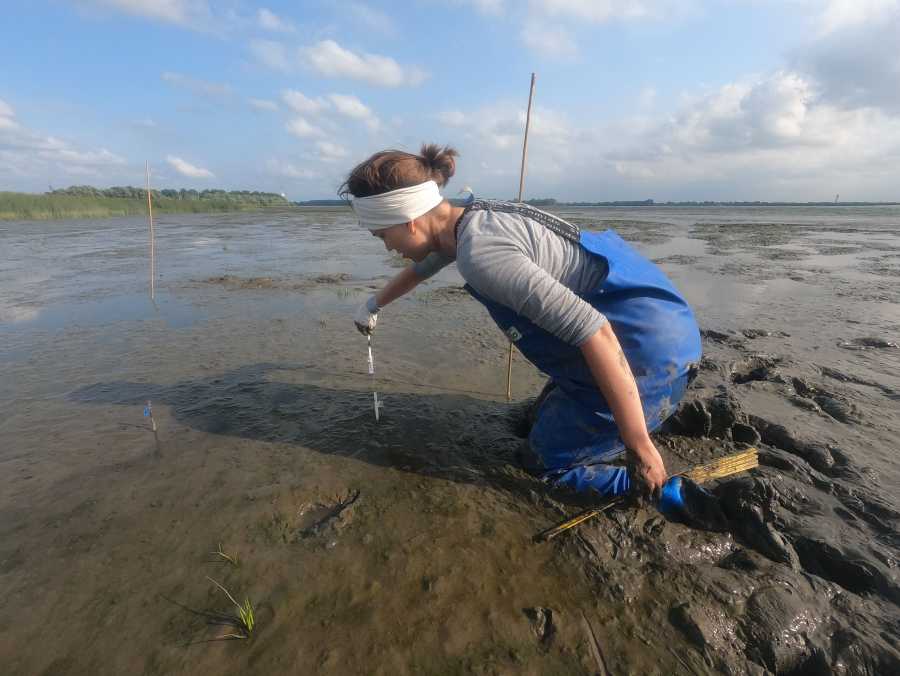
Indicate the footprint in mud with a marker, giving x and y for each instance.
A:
(318, 518)
(677, 259)
(818, 456)
(842, 377)
(867, 344)
(749, 504)
(841, 409)
(845, 567)
(818, 400)
(757, 367)
(311, 520)
(541, 624)
(762, 333)
(703, 625)
(729, 339)
(715, 417)
(781, 623)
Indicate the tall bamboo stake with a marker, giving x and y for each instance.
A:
(521, 191)
(525, 142)
(152, 239)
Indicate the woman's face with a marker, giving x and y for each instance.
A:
(406, 239)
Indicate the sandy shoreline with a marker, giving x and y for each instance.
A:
(264, 412)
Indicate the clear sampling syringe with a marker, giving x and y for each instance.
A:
(375, 401)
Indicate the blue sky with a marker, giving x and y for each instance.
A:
(662, 99)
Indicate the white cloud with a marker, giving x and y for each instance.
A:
(855, 59)
(187, 13)
(769, 112)
(89, 158)
(198, 87)
(485, 7)
(601, 11)
(352, 107)
(633, 170)
(451, 118)
(548, 40)
(371, 19)
(491, 138)
(548, 26)
(289, 170)
(270, 21)
(647, 98)
(31, 156)
(272, 55)
(330, 59)
(844, 14)
(330, 152)
(6, 116)
(757, 113)
(300, 103)
(187, 169)
(503, 127)
(769, 134)
(490, 7)
(263, 104)
(300, 128)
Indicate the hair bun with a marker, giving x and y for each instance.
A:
(439, 161)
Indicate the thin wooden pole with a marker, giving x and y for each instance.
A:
(152, 239)
(521, 191)
(509, 373)
(525, 142)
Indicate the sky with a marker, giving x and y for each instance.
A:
(793, 100)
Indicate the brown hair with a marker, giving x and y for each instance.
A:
(393, 169)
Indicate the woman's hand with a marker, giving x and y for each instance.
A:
(648, 469)
(366, 316)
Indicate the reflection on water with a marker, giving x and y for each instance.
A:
(131, 307)
(77, 273)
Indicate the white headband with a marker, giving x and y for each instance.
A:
(397, 206)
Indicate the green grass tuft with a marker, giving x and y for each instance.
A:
(244, 621)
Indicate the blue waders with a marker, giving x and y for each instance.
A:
(575, 435)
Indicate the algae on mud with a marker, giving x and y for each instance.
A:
(265, 425)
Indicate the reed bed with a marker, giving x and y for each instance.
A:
(24, 206)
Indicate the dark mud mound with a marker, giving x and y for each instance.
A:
(806, 581)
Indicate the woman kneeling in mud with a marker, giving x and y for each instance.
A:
(611, 331)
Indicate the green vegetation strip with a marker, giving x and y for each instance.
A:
(88, 202)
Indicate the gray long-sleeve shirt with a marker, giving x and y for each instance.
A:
(522, 264)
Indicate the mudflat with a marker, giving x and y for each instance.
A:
(405, 546)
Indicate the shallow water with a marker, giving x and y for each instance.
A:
(259, 389)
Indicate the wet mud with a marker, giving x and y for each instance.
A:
(814, 539)
(405, 546)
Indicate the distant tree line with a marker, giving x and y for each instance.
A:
(130, 192)
(84, 201)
